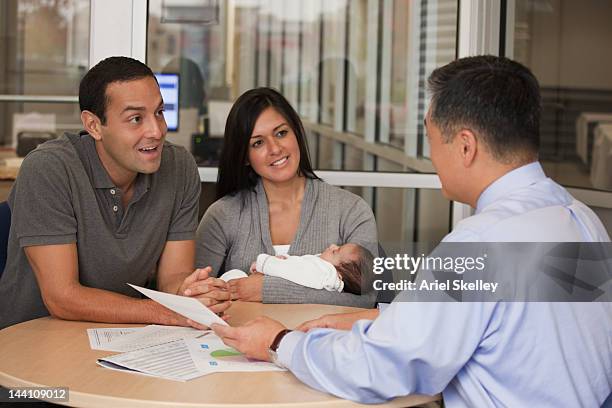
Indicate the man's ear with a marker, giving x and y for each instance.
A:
(468, 146)
(92, 124)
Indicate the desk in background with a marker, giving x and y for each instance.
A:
(585, 125)
(51, 352)
(601, 165)
(9, 168)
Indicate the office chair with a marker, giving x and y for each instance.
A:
(5, 226)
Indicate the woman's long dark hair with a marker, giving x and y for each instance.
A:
(234, 174)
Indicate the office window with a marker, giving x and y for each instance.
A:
(276, 47)
(566, 45)
(45, 54)
(354, 70)
(410, 215)
(356, 67)
(332, 61)
(290, 58)
(310, 45)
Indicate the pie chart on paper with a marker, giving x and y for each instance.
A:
(229, 355)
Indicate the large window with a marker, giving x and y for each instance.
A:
(567, 45)
(45, 54)
(354, 70)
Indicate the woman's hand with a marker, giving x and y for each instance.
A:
(249, 289)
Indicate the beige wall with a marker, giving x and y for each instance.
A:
(568, 42)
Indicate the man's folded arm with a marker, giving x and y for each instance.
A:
(56, 270)
(175, 264)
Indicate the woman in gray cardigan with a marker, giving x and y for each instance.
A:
(270, 201)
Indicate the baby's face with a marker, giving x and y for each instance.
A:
(335, 254)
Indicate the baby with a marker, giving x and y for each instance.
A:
(337, 268)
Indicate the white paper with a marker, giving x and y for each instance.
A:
(183, 305)
(169, 360)
(151, 336)
(103, 338)
(116, 367)
(185, 359)
(211, 355)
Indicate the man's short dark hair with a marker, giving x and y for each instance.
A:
(357, 274)
(495, 97)
(92, 90)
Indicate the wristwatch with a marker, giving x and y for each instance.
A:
(272, 350)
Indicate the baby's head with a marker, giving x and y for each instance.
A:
(353, 263)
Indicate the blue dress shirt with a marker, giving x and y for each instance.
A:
(477, 354)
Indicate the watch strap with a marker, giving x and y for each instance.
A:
(278, 338)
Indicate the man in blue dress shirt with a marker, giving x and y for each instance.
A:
(483, 129)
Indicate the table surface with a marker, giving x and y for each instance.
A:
(52, 352)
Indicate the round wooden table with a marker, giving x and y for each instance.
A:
(51, 352)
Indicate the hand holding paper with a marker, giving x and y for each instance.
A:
(189, 307)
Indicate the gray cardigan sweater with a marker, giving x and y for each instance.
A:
(235, 229)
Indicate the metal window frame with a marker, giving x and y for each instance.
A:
(477, 33)
(356, 178)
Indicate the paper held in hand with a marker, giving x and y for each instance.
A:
(189, 307)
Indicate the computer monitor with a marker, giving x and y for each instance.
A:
(169, 87)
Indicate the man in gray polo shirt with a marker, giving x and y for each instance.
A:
(111, 205)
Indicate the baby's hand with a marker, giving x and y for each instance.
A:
(253, 267)
(281, 256)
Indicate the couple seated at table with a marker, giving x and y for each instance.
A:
(117, 204)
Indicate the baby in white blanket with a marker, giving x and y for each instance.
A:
(337, 268)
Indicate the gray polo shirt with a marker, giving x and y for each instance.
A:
(63, 195)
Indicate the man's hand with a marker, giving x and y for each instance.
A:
(253, 339)
(211, 292)
(168, 317)
(340, 321)
(248, 289)
(197, 275)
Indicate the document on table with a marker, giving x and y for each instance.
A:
(102, 339)
(183, 305)
(185, 359)
(153, 335)
(138, 337)
(169, 360)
